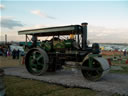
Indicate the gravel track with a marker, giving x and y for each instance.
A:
(111, 83)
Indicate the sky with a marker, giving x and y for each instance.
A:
(107, 20)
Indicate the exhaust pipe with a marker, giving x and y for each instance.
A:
(84, 36)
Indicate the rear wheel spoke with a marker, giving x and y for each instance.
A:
(39, 57)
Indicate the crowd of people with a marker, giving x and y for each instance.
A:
(15, 54)
(7, 52)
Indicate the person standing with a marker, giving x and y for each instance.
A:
(5, 52)
(34, 40)
(17, 53)
(125, 52)
(8, 53)
(14, 54)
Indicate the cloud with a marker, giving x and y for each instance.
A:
(2, 6)
(34, 27)
(10, 23)
(106, 35)
(41, 14)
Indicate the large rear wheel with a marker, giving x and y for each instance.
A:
(36, 61)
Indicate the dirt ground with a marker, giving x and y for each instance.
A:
(111, 83)
(9, 62)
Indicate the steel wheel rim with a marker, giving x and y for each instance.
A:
(92, 75)
(35, 62)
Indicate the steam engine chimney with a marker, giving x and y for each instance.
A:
(84, 35)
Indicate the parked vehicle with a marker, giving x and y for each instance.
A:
(2, 87)
(57, 52)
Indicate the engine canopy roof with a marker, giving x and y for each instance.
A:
(53, 31)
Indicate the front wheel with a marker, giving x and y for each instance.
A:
(99, 67)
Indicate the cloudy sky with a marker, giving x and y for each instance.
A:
(108, 20)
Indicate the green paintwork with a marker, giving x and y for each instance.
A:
(46, 46)
(36, 62)
(68, 43)
(59, 45)
(91, 56)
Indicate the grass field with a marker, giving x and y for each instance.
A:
(16, 86)
(23, 87)
(9, 62)
(123, 71)
(119, 62)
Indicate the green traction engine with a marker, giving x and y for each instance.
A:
(61, 47)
